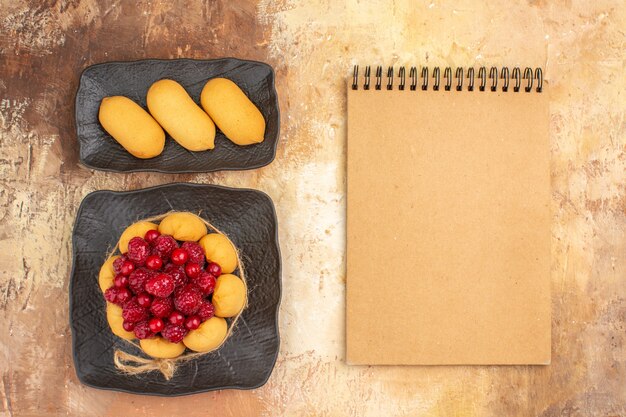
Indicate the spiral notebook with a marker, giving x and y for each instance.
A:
(448, 217)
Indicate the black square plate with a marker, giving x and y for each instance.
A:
(98, 150)
(247, 358)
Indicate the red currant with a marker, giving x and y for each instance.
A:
(192, 270)
(144, 300)
(127, 267)
(214, 269)
(176, 318)
(120, 281)
(179, 256)
(123, 295)
(192, 322)
(156, 324)
(151, 235)
(154, 262)
(128, 326)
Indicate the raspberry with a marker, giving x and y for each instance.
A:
(162, 307)
(111, 295)
(137, 280)
(162, 285)
(206, 310)
(120, 281)
(173, 332)
(206, 282)
(138, 251)
(195, 251)
(177, 273)
(133, 312)
(187, 299)
(123, 295)
(117, 264)
(128, 326)
(142, 330)
(164, 245)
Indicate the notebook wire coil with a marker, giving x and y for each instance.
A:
(525, 80)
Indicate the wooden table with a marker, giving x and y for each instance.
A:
(312, 44)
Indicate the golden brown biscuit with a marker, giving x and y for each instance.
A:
(158, 347)
(209, 335)
(180, 116)
(218, 249)
(183, 226)
(233, 112)
(115, 320)
(229, 296)
(107, 274)
(131, 126)
(136, 229)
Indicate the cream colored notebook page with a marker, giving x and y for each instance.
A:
(448, 223)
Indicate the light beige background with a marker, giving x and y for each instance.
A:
(313, 44)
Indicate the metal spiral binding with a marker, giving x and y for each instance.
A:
(413, 75)
(447, 74)
(487, 80)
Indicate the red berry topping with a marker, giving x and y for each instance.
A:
(161, 285)
(120, 281)
(195, 251)
(164, 245)
(156, 325)
(176, 318)
(117, 264)
(192, 269)
(123, 295)
(128, 326)
(214, 269)
(138, 251)
(133, 312)
(111, 295)
(151, 235)
(162, 307)
(137, 280)
(177, 273)
(192, 322)
(206, 282)
(144, 300)
(173, 332)
(179, 256)
(206, 310)
(142, 330)
(187, 299)
(154, 262)
(127, 267)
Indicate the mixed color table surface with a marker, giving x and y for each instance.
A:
(312, 46)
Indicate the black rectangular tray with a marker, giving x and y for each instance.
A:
(98, 150)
